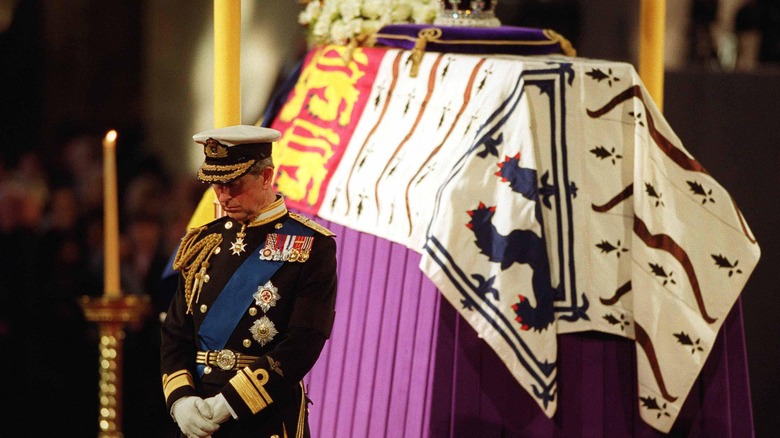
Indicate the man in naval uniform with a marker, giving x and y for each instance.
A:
(255, 301)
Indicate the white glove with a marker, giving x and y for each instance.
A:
(193, 416)
(219, 407)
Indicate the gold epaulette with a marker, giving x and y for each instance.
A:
(311, 224)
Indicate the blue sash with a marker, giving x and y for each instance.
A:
(236, 297)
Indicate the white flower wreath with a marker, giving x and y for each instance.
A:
(353, 21)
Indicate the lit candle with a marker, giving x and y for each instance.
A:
(652, 29)
(110, 218)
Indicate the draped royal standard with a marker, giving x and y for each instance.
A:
(317, 121)
(546, 195)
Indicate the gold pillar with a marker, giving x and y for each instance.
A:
(227, 89)
(227, 65)
(652, 29)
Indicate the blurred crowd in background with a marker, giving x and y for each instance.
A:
(51, 235)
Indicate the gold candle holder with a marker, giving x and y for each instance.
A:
(112, 314)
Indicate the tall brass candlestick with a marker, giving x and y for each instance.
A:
(112, 311)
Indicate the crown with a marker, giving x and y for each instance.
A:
(473, 13)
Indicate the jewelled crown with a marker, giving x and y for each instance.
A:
(467, 13)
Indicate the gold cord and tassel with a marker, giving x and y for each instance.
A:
(423, 36)
(566, 46)
(192, 260)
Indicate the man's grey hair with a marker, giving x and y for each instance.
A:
(258, 167)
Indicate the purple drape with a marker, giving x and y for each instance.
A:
(402, 362)
(509, 40)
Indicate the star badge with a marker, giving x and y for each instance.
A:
(263, 331)
(266, 296)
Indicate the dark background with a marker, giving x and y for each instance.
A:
(76, 67)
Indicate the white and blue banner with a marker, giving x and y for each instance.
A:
(546, 195)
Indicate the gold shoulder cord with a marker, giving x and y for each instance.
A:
(192, 259)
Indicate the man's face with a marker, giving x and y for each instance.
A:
(243, 198)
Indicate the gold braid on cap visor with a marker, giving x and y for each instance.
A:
(223, 173)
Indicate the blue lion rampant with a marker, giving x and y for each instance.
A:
(519, 246)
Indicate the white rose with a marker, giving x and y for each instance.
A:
(425, 13)
(340, 32)
(370, 27)
(311, 13)
(349, 9)
(373, 9)
(355, 26)
(401, 13)
(331, 10)
(321, 29)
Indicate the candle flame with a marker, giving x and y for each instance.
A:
(111, 136)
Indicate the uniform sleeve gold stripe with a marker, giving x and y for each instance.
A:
(175, 381)
(301, 413)
(250, 387)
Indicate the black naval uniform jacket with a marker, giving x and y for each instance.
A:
(281, 326)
